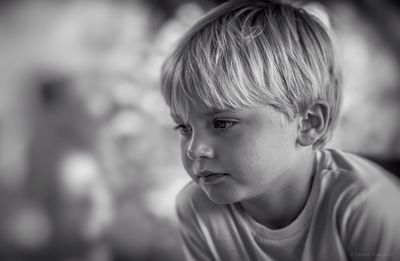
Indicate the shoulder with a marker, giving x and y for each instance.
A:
(363, 193)
(353, 173)
(372, 211)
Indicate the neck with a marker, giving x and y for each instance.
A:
(281, 205)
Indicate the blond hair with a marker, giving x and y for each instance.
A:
(247, 53)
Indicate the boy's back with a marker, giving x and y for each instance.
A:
(351, 214)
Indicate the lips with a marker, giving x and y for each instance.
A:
(209, 177)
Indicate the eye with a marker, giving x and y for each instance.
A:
(223, 124)
(184, 129)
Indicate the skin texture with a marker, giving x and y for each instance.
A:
(261, 159)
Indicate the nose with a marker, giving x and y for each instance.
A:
(200, 148)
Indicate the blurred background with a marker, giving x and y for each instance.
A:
(89, 163)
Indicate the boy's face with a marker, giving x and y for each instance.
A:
(237, 155)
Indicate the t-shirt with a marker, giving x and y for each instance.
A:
(352, 213)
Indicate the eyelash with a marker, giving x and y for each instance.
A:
(181, 128)
(186, 129)
(230, 124)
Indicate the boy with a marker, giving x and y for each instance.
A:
(255, 91)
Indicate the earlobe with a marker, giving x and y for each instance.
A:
(313, 124)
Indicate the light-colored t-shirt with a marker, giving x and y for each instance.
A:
(352, 213)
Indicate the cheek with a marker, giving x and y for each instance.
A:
(186, 162)
(242, 156)
(253, 158)
(183, 148)
(258, 154)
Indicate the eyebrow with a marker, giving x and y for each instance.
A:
(217, 111)
(212, 112)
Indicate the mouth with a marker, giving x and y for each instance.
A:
(208, 177)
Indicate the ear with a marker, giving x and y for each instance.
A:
(313, 123)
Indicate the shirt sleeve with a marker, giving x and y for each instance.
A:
(193, 240)
(373, 228)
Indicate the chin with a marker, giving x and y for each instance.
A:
(223, 197)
